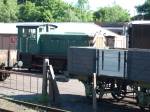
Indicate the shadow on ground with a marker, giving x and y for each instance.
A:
(76, 103)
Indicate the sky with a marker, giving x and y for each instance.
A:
(125, 4)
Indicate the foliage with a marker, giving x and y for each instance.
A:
(29, 12)
(111, 14)
(57, 11)
(144, 10)
(8, 10)
(42, 10)
(52, 10)
(83, 4)
(78, 15)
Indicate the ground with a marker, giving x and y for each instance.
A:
(14, 107)
(72, 97)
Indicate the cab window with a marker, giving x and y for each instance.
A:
(29, 33)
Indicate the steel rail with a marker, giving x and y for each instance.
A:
(45, 108)
(5, 110)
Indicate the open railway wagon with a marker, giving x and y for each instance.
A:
(116, 71)
(39, 40)
(8, 52)
(138, 33)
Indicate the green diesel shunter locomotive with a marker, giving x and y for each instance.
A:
(37, 41)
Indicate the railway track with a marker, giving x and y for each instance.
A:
(34, 106)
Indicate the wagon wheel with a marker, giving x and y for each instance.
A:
(118, 93)
(100, 90)
(88, 90)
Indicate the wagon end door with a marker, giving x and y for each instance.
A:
(112, 63)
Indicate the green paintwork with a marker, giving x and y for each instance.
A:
(35, 42)
(48, 43)
(58, 44)
(27, 42)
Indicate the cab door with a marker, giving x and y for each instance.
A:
(30, 40)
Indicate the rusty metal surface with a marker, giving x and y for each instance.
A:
(8, 41)
(4, 57)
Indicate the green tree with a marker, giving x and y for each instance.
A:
(111, 14)
(51, 10)
(42, 10)
(144, 10)
(84, 16)
(83, 12)
(8, 10)
(29, 12)
(83, 4)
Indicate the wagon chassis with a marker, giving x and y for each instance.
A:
(119, 88)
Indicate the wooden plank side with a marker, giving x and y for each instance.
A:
(138, 65)
(112, 63)
(81, 61)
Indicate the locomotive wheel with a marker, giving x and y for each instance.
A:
(118, 94)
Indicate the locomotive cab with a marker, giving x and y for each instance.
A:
(28, 37)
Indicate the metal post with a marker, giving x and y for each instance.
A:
(23, 82)
(8, 58)
(51, 91)
(44, 83)
(30, 83)
(94, 80)
(37, 83)
(94, 93)
(53, 88)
